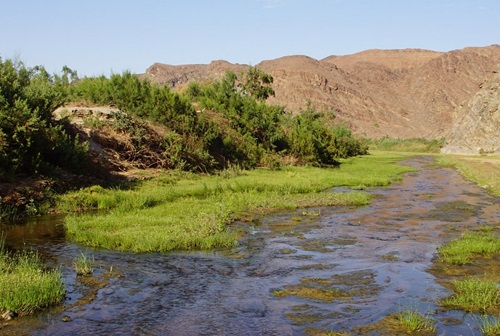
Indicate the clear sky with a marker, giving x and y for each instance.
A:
(98, 37)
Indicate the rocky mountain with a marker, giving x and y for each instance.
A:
(398, 93)
(178, 75)
(476, 123)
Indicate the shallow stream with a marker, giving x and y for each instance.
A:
(292, 273)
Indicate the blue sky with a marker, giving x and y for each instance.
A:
(98, 37)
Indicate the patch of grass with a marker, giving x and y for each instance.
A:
(413, 321)
(318, 289)
(406, 145)
(490, 326)
(470, 245)
(474, 294)
(304, 314)
(83, 264)
(312, 293)
(405, 323)
(311, 331)
(480, 170)
(191, 211)
(25, 286)
(392, 256)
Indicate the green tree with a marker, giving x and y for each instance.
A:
(258, 84)
(31, 141)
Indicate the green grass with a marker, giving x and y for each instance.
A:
(474, 294)
(406, 145)
(83, 265)
(490, 326)
(470, 245)
(413, 321)
(484, 171)
(182, 211)
(25, 286)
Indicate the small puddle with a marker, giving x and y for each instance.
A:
(295, 273)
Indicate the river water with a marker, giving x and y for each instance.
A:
(292, 273)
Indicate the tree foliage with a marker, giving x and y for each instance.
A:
(208, 126)
(316, 140)
(31, 141)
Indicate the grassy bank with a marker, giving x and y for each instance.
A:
(24, 284)
(186, 211)
(415, 145)
(484, 171)
(471, 263)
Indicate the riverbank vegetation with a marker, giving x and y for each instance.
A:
(25, 286)
(204, 129)
(471, 245)
(413, 321)
(189, 211)
(482, 170)
(415, 145)
(470, 268)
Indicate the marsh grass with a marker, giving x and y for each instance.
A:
(25, 286)
(182, 211)
(474, 294)
(84, 264)
(470, 245)
(414, 321)
(489, 325)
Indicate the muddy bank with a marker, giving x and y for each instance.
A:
(291, 274)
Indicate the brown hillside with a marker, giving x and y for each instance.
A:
(394, 60)
(476, 126)
(177, 75)
(400, 93)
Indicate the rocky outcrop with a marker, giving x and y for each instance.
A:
(178, 75)
(476, 123)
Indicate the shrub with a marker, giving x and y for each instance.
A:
(31, 141)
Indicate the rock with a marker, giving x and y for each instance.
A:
(476, 124)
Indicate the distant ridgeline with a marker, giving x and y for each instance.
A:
(409, 93)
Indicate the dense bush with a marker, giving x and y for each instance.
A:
(267, 131)
(139, 97)
(209, 126)
(31, 141)
(240, 108)
(314, 139)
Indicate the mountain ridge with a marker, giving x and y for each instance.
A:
(402, 93)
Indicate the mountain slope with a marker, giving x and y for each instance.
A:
(476, 126)
(399, 93)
